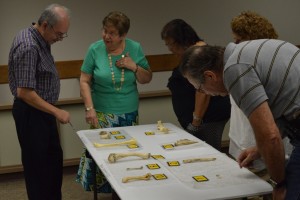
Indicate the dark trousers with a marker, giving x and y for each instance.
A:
(292, 172)
(211, 133)
(42, 155)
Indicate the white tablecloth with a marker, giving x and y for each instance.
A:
(222, 178)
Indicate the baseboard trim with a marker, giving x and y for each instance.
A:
(11, 169)
(71, 162)
(19, 168)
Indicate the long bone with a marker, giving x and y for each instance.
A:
(145, 177)
(184, 142)
(198, 160)
(134, 168)
(127, 142)
(113, 157)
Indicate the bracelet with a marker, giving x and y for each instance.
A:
(196, 118)
(89, 108)
(136, 69)
(276, 185)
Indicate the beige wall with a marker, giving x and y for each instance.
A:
(210, 18)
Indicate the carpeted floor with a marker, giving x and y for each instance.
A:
(12, 187)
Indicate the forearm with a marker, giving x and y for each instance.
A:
(86, 95)
(274, 157)
(201, 105)
(90, 114)
(85, 89)
(142, 75)
(32, 98)
(268, 141)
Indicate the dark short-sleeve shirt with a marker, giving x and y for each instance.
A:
(31, 65)
(183, 100)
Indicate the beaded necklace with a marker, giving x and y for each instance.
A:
(113, 74)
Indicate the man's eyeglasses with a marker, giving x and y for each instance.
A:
(59, 34)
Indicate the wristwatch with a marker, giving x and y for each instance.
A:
(89, 108)
(277, 185)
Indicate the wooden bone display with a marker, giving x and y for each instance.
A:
(113, 157)
(145, 177)
(132, 141)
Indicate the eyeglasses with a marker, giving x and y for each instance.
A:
(110, 34)
(170, 45)
(59, 34)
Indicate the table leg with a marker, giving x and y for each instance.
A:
(94, 170)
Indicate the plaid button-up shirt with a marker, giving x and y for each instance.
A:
(31, 65)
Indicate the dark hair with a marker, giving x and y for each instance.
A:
(198, 59)
(50, 15)
(181, 32)
(119, 20)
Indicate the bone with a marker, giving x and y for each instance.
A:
(161, 127)
(198, 160)
(113, 157)
(127, 142)
(104, 135)
(134, 168)
(145, 177)
(184, 142)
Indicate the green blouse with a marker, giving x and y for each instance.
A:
(106, 98)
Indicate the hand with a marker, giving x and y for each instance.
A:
(91, 118)
(63, 116)
(196, 122)
(193, 129)
(279, 193)
(126, 62)
(247, 156)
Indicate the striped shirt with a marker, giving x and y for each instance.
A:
(263, 70)
(31, 65)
